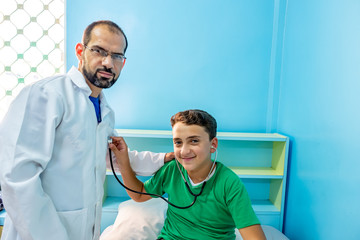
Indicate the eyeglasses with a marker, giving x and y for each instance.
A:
(98, 52)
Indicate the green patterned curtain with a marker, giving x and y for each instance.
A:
(31, 44)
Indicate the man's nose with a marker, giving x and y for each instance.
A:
(108, 61)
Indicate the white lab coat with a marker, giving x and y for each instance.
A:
(52, 161)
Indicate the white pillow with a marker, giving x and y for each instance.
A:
(144, 221)
(271, 233)
(137, 221)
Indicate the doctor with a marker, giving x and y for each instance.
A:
(54, 144)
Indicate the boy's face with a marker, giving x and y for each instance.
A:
(192, 148)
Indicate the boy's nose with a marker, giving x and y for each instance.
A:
(185, 149)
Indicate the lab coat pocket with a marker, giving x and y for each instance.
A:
(74, 223)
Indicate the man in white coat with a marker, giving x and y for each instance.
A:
(53, 145)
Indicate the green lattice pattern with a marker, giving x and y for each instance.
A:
(31, 44)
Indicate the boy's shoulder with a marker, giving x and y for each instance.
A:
(168, 166)
(226, 175)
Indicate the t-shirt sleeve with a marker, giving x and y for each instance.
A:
(156, 183)
(239, 204)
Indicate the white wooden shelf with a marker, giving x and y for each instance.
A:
(259, 159)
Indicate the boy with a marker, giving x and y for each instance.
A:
(223, 203)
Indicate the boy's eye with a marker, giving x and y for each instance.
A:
(177, 142)
(194, 141)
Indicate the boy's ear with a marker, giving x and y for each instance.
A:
(214, 145)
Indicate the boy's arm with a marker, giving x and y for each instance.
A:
(120, 149)
(253, 232)
(146, 163)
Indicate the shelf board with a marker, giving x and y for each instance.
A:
(144, 133)
(274, 137)
(260, 206)
(242, 172)
(257, 172)
(112, 203)
(264, 207)
(221, 135)
(109, 172)
(2, 217)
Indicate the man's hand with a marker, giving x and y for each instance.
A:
(169, 156)
(120, 149)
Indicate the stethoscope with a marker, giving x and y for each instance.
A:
(183, 177)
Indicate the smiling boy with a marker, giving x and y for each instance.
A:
(223, 203)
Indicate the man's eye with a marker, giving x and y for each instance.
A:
(117, 56)
(96, 50)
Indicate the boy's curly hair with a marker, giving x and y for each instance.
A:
(197, 117)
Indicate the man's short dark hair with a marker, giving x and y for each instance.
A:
(113, 27)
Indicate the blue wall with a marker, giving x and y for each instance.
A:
(186, 54)
(319, 110)
(258, 66)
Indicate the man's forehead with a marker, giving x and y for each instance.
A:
(100, 30)
(100, 37)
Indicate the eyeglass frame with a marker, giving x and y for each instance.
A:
(103, 53)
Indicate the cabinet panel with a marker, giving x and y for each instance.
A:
(113, 188)
(2, 217)
(245, 153)
(149, 144)
(258, 189)
(270, 219)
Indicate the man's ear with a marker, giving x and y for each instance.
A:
(123, 63)
(79, 50)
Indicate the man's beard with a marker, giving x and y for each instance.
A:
(100, 82)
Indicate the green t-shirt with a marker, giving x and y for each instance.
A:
(223, 205)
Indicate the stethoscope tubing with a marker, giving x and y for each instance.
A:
(157, 195)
